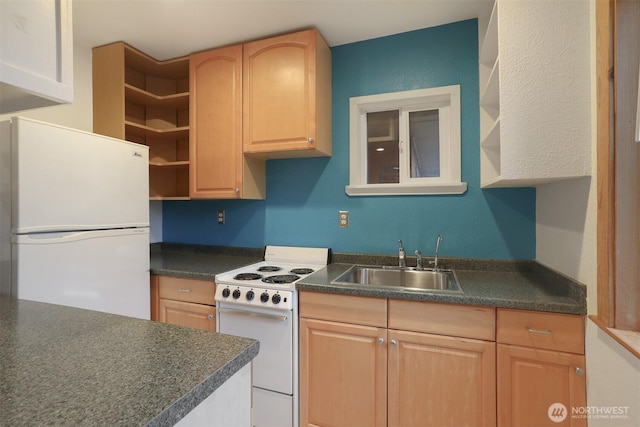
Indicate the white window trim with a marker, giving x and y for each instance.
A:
(447, 100)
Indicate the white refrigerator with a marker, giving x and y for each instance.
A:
(74, 218)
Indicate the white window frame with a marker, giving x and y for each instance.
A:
(446, 99)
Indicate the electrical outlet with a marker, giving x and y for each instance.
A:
(221, 216)
(343, 219)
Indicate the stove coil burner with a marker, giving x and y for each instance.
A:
(247, 276)
(301, 271)
(281, 278)
(269, 268)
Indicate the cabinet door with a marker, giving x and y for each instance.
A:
(440, 381)
(215, 149)
(36, 54)
(531, 380)
(197, 316)
(343, 374)
(280, 93)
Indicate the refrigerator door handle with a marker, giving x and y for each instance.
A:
(72, 236)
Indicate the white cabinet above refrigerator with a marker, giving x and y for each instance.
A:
(36, 54)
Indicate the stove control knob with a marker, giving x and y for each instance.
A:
(276, 299)
(264, 297)
(250, 295)
(226, 292)
(236, 294)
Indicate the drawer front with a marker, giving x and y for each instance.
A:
(552, 331)
(443, 319)
(344, 308)
(187, 290)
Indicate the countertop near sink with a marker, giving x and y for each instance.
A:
(527, 287)
(67, 366)
(524, 285)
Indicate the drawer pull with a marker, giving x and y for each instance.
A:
(184, 290)
(539, 331)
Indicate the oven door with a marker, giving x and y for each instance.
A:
(273, 366)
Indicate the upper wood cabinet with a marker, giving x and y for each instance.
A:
(142, 100)
(287, 96)
(36, 54)
(535, 93)
(219, 170)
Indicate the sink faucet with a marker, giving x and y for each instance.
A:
(435, 260)
(402, 262)
(418, 260)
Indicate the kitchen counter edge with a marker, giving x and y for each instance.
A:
(76, 342)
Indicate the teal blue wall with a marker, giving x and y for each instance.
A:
(305, 195)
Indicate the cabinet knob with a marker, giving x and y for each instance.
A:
(393, 342)
(210, 317)
(237, 190)
(310, 139)
(380, 340)
(579, 371)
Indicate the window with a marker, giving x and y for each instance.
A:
(405, 143)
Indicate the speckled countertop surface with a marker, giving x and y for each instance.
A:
(200, 262)
(67, 366)
(523, 285)
(526, 290)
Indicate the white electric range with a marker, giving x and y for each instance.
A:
(260, 301)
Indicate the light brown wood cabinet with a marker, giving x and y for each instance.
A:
(212, 118)
(357, 367)
(540, 363)
(219, 169)
(287, 96)
(184, 302)
(140, 99)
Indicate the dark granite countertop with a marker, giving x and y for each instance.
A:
(199, 262)
(526, 286)
(68, 366)
(517, 284)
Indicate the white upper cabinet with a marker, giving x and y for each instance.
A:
(36, 54)
(535, 93)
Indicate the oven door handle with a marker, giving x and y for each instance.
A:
(253, 314)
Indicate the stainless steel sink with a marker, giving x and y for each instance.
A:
(402, 278)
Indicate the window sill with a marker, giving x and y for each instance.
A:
(630, 340)
(405, 190)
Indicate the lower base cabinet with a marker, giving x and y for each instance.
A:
(541, 369)
(383, 362)
(357, 370)
(184, 302)
(440, 381)
(343, 374)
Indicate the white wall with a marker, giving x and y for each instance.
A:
(613, 379)
(79, 115)
(566, 231)
(566, 241)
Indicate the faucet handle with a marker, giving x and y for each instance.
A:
(402, 263)
(418, 260)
